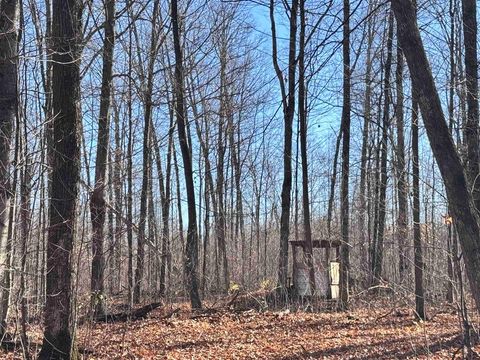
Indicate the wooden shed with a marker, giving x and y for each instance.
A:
(327, 274)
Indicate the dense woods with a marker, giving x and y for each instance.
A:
(241, 162)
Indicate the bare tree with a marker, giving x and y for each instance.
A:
(346, 109)
(469, 16)
(146, 154)
(191, 256)
(288, 105)
(402, 183)
(380, 233)
(417, 236)
(66, 25)
(97, 199)
(8, 111)
(451, 169)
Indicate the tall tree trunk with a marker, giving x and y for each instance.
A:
(331, 197)
(459, 198)
(288, 104)
(378, 264)
(402, 184)
(451, 114)
(66, 25)
(375, 195)
(97, 199)
(8, 111)
(236, 163)
(164, 182)
(220, 228)
(469, 15)
(117, 189)
(139, 270)
(363, 211)
(191, 251)
(344, 249)
(417, 236)
(25, 223)
(302, 114)
(130, 176)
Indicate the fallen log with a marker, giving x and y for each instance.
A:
(133, 315)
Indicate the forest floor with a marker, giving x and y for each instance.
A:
(373, 331)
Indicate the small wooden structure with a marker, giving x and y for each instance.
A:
(327, 275)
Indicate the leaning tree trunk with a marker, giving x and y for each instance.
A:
(191, 250)
(97, 199)
(57, 341)
(453, 174)
(8, 110)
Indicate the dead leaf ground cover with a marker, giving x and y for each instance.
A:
(374, 332)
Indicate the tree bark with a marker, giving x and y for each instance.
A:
(130, 177)
(8, 111)
(402, 184)
(469, 16)
(139, 270)
(378, 263)
(288, 104)
(302, 116)
(346, 109)
(164, 182)
(66, 25)
(363, 210)
(191, 256)
(417, 236)
(220, 223)
(97, 198)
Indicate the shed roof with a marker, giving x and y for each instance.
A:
(317, 243)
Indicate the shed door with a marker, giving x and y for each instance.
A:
(335, 279)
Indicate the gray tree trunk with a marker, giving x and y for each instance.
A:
(8, 111)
